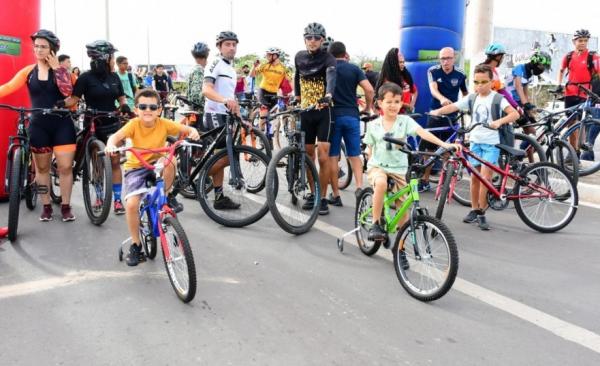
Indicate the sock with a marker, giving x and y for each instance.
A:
(218, 192)
(117, 191)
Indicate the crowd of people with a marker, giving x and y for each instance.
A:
(322, 76)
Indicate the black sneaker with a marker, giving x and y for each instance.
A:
(324, 208)
(358, 193)
(424, 186)
(225, 203)
(403, 260)
(376, 233)
(175, 205)
(471, 217)
(482, 222)
(310, 202)
(335, 201)
(135, 255)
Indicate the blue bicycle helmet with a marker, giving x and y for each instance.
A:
(495, 49)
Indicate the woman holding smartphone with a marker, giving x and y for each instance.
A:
(47, 83)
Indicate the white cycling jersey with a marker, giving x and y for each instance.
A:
(222, 75)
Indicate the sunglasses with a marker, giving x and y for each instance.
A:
(152, 107)
(482, 82)
(310, 38)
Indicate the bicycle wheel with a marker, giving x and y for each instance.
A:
(448, 176)
(344, 169)
(185, 166)
(288, 194)
(262, 142)
(428, 264)
(364, 222)
(14, 198)
(563, 154)
(589, 162)
(546, 199)
(96, 183)
(147, 238)
(54, 188)
(179, 262)
(462, 186)
(31, 192)
(534, 151)
(252, 206)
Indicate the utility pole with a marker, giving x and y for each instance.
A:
(107, 22)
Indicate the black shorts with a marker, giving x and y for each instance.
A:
(103, 131)
(573, 100)
(316, 125)
(212, 121)
(47, 132)
(267, 99)
(443, 135)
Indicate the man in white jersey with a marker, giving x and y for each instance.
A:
(219, 91)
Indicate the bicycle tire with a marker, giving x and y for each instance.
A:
(448, 176)
(266, 146)
(586, 167)
(186, 165)
(365, 201)
(96, 213)
(344, 168)
(539, 155)
(416, 256)
(181, 246)
(462, 186)
(14, 196)
(54, 188)
(562, 187)
(284, 162)
(253, 205)
(563, 154)
(31, 193)
(147, 235)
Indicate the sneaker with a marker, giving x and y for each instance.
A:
(335, 201)
(118, 207)
(135, 255)
(324, 208)
(174, 204)
(358, 193)
(376, 233)
(471, 217)
(424, 186)
(482, 222)
(67, 215)
(225, 203)
(403, 260)
(310, 202)
(46, 213)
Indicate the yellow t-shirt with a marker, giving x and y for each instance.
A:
(148, 138)
(272, 76)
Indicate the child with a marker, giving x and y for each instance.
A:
(483, 139)
(147, 131)
(385, 160)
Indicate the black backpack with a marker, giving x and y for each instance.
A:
(506, 132)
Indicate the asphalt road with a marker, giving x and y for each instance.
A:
(268, 298)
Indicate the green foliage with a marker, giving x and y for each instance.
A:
(180, 87)
(361, 59)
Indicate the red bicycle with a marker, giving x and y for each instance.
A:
(544, 196)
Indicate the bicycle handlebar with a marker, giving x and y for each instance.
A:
(293, 111)
(137, 152)
(32, 110)
(405, 148)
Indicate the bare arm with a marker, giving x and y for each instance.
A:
(447, 109)
(511, 116)
(433, 87)
(71, 101)
(428, 136)
(369, 94)
(521, 91)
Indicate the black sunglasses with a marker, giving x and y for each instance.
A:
(152, 107)
(310, 38)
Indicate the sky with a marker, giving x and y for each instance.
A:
(368, 28)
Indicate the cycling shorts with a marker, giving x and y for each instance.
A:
(316, 125)
(267, 99)
(212, 121)
(573, 100)
(52, 133)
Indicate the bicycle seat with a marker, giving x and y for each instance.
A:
(511, 151)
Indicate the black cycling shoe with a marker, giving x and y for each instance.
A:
(335, 201)
(175, 205)
(376, 233)
(135, 255)
(225, 203)
(324, 208)
(310, 202)
(471, 217)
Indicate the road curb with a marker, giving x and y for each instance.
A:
(589, 193)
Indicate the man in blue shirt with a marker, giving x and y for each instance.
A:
(347, 121)
(445, 81)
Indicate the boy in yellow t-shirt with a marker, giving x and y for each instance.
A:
(146, 131)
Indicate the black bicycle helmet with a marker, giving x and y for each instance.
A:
(200, 50)
(581, 33)
(48, 36)
(100, 50)
(226, 36)
(326, 43)
(315, 29)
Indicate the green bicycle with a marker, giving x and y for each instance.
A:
(425, 252)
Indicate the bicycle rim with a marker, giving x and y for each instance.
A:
(364, 222)
(547, 199)
(179, 264)
(97, 183)
(147, 235)
(564, 155)
(462, 186)
(14, 197)
(289, 196)
(432, 257)
(589, 161)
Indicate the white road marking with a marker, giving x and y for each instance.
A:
(559, 327)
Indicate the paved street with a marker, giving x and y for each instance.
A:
(268, 298)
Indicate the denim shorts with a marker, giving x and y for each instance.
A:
(347, 127)
(487, 152)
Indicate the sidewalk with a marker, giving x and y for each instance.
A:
(589, 188)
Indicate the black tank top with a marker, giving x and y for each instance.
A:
(43, 94)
